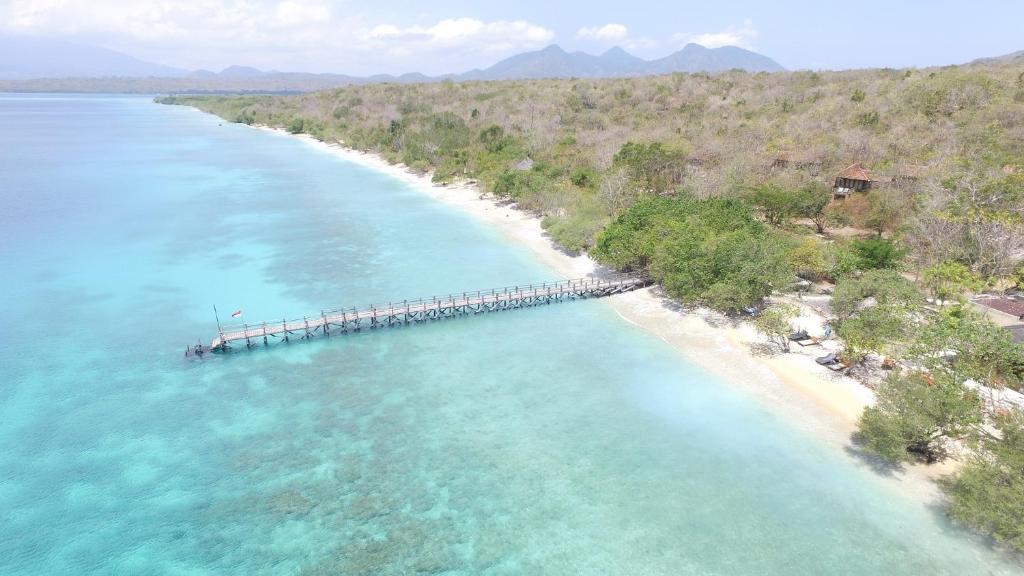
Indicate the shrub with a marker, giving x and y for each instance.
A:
(876, 312)
(877, 253)
(915, 414)
(950, 279)
(774, 324)
(519, 184)
(654, 166)
(969, 345)
(988, 491)
(296, 126)
(703, 251)
(776, 202)
(576, 232)
(584, 177)
(809, 260)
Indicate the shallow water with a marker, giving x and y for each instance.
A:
(557, 440)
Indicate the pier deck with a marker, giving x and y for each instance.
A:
(419, 310)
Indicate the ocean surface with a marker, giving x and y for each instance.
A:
(558, 440)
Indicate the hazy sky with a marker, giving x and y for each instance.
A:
(454, 35)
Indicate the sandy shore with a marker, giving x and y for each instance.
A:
(790, 386)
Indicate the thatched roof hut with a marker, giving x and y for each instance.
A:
(855, 178)
(788, 159)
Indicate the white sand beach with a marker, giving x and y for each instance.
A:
(791, 386)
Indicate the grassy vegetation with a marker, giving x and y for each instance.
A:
(719, 188)
(712, 251)
(599, 145)
(987, 491)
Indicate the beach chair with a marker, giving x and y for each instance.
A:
(809, 341)
(827, 359)
(838, 366)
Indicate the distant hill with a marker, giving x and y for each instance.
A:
(23, 57)
(1012, 58)
(696, 58)
(554, 62)
(48, 65)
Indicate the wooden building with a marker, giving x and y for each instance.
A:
(855, 178)
(798, 160)
(908, 174)
(1004, 311)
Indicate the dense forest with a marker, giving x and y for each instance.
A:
(724, 189)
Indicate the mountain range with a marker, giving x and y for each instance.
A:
(25, 57)
(1012, 58)
(31, 63)
(554, 62)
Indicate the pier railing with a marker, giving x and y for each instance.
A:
(421, 309)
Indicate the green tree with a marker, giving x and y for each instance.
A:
(884, 287)
(811, 202)
(809, 259)
(654, 166)
(947, 280)
(777, 203)
(988, 491)
(888, 209)
(915, 414)
(630, 241)
(877, 253)
(877, 312)
(709, 251)
(491, 135)
(296, 126)
(843, 261)
(774, 324)
(519, 184)
(729, 271)
(970, 346)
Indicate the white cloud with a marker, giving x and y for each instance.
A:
(466, 32)
(742, 36)
(161, 19)
(309, 35)
(606, 33)
(290, 13)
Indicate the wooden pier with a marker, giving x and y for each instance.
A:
(343, 321)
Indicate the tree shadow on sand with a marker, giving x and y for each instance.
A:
(764, 349)
(876, 463)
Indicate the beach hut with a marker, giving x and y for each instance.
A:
(783, 160)
(856, 178)
(908, 174)
(798, 160)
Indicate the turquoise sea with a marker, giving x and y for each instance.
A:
(558, 440)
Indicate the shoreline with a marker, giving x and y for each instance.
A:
(790, 386)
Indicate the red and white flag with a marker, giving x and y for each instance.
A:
(236, 314)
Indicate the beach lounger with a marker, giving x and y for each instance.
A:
(827, 359)
(838, 366)
(811, 341)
